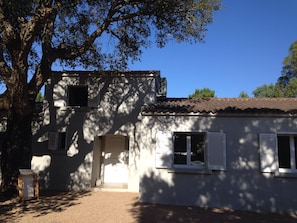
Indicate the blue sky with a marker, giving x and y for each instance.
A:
(243, 49)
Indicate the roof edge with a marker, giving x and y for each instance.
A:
(106, 73)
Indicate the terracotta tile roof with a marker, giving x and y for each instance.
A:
(222, 105)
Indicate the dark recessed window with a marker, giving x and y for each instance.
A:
(57, 141)
(62, 141)
(287, 151)
(78, 96)
(284, 158)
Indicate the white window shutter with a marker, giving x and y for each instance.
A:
(216, 151)
(53, 138)
(164, 149)
(268, 152)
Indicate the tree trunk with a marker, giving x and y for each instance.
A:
(16, 149)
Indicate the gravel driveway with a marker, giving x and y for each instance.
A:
(119, 207)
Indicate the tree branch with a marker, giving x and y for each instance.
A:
(7, 30)
(4, 102)
(43, 70)
(5, 70)
(34, 25)
(64, 52)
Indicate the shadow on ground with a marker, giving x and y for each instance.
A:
(147, 213)
(124, 207)
(48, 202)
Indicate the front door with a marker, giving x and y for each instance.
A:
(115, 161)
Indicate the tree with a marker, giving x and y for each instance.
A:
(277, 90)
(35, 34)
(291, 89)
(286, 85)
(289, 69)
(203, 93)
(265, 91)
(243, 94)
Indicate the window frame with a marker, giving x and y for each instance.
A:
(269, 157)
(189, 164)
(215, 151)
(292, 148)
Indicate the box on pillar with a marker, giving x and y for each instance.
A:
(28, 184)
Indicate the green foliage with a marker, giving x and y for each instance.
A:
(203, 93)
(286, 85)
(291, 89)
(277, 90)
(289, 65)
(243, 94)
(39, 97)
(265, 91)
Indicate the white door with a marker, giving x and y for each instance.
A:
(115, 160)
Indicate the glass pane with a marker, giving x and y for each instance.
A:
(197, 149)
(180, 149)
(283, 146)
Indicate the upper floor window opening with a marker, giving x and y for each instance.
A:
(78, 95)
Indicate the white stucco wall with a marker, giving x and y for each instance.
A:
(114, 105)
(241, 186)
(114, 108)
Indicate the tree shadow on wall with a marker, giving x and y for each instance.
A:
(153, 212)
(242, 186)
(114, 109)
(48, 202)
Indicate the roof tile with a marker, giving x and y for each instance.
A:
(222, 105)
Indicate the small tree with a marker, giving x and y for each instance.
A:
(265, 91)
(203, 93)
(243, 94)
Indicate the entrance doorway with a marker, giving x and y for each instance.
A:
(110, 163)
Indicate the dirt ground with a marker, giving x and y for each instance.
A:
(117, 207)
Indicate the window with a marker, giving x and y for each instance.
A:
(57, 141)
(278, 153)
(78, 96)
(189, 149)
(287, 152)
(62, 141)
(196, 150)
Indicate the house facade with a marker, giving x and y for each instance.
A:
(88, 135)
(216, 152)
(118, 130)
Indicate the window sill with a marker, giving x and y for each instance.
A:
(190, 171)
(285, 175)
